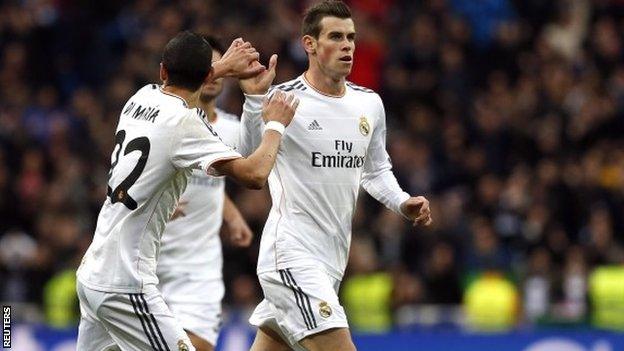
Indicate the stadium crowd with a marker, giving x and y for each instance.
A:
(506, 114)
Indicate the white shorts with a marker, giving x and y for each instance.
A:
(299, 302)
(118, 321)
(195, 302)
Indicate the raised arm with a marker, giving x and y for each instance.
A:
(252, 125)
(254, 170)
(255, 89)
(240, 61)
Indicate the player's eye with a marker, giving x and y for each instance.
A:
(335, 36)
(351, 37)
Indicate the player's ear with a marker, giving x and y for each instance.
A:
(309, 44)
(163, 73)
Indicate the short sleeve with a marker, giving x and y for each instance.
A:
(197, 145)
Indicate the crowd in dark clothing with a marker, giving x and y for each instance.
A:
(507, 114)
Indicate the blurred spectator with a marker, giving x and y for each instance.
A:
(538, 285)
(491, 303)
(606, 286)
(566, 34)
(441, 277)
(60, 300)
(366, 293)
(485, 251)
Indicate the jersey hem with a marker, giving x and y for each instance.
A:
(110, 289)
(190, 273)
(302, 264)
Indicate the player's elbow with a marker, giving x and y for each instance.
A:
(256, 181)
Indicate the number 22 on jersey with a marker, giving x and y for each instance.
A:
(120, 193)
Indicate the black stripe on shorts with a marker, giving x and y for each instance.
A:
(300, 304)
(304, 295)
(142, 297)
(143, 323)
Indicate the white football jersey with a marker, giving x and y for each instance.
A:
(191, 244)
(159, 141)
(333, 145)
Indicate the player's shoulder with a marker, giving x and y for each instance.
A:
(198, 116)
(144, 94)
(168, 104)
(364, 95)
(360, 89)
(191, 118)
(292, 85)
(194, 122)
(226, 117)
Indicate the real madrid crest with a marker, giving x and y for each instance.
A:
(364, 126)
(182, 346)
(324, 309)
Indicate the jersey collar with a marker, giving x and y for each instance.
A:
(173, 95)
(305, 80)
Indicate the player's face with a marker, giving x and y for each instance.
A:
(335, 46)
(212, 89)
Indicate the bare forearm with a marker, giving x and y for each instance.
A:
(263, 159)
(219, 70)
(254, 170)
(230, 211)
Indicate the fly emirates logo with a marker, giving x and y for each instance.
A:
(342, 158)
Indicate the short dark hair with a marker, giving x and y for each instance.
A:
(328, 8)
(215, 43)
(187, 58)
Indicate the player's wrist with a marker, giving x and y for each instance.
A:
(276, 126)
(220, 69)
(402, 201)
(253, 103)
(225, 68)
(253, 91)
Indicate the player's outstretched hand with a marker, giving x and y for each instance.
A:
(417, 209)
(280, 107)
(240, 61)
(238, 232)
(260, 84)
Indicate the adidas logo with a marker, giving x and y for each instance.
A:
(315, 126)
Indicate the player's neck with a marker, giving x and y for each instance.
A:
(209, 108)
(324, 83)
(190, 97)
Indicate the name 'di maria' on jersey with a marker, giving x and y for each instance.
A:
(141, 113)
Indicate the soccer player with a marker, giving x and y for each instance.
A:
(190, 276)
(335, 144)
(158, 143)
